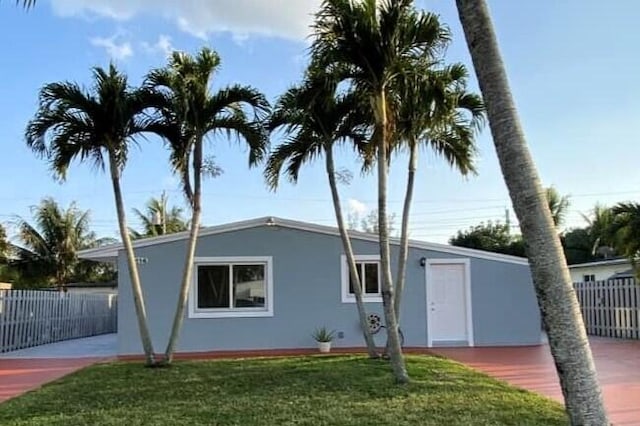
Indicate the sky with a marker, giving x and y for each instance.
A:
(571, 65)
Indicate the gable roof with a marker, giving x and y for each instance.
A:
(110, 252)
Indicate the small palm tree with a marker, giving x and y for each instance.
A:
(625, 228)
(371, 44)
(159, 219)
(314, 119)
(48, 249)
(558, 205)
(556, 297)
(188, 113)
(600, 230)
(97, 126)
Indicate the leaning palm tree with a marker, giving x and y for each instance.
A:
(47, 252)
(159, 219)
(371, 44)
(625, 229)
(314, 119)
(188, 113)
(98, 126)
(436, 112)
(552, 281)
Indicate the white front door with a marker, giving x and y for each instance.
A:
(448, 303)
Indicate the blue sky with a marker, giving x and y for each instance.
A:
(571, 65)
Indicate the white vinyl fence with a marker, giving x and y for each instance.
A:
(610, 308)
(31, 318)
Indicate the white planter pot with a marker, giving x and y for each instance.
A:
(324, 347)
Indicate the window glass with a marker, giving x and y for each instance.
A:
(359, 269)
(249, 287)
(213, 286)
(371, 278)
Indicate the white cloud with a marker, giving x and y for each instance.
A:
(163, 46)
(357, 207)
(279, 18)
(115, 50)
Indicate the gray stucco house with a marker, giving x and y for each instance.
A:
(268, 283)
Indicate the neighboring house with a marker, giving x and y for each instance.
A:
(601, 270)
(267, 283)
(93, 288)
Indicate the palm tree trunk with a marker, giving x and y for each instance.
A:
(393, 338)
(134, 276)
(404, 232)
(351, 261)
(191, 251)
(556, 298)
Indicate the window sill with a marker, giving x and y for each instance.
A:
(230, 314)
(365, 299)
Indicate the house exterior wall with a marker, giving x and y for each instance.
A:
(307, 294)
(601, 272)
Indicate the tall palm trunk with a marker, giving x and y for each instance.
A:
(351, 261)
(404, 232)
(395, 351)
(134, 276)
(191, 251)
(556, 298)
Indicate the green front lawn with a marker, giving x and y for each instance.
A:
(334, 390)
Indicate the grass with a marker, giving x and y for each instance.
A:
(332, 390)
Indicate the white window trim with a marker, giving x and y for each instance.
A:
(344, 274)
(231, 312)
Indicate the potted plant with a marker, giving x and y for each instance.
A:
(324, 337)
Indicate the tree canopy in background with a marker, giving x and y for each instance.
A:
(491, 236)
(47, 250)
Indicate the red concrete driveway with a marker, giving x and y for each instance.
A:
(18, 376)
(531, 367)
(28, 369)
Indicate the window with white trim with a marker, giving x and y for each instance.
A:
(589, 278)
(368, 268)
(232, 287)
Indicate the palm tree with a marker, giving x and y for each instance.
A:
(370, 45)
(48, 253)
(557, 300)
(89, 125)
(600, 230)
(558, 205)
(314, 119)
(188, 113)
(625, 228)
(437, 112)
(159, 219)
(27, 4)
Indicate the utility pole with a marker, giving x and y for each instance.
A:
(507, 220)
(160, 218)
(163, 199)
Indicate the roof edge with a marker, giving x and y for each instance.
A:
(110, 252)
(618, 261)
